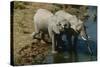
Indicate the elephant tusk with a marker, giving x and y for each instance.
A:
(84, 38)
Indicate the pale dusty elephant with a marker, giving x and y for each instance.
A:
(47, 23)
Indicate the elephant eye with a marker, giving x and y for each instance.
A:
(65, 25)
(59, 24)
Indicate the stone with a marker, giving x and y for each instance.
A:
(35, 41)
(42, 42)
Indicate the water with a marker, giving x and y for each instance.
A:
(81, 54)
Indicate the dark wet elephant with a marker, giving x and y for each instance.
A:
(77, 28)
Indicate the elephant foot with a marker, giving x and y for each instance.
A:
(54, 52)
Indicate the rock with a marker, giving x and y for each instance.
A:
(35, 41)
(42, 42)
(34, 49)
(35, 53)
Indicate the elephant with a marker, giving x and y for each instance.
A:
(76, 28)
(55, 29)
(47, 23)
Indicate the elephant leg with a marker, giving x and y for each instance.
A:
(53, 44)
(69, 38)
(89, 49)
(75, 42)
(57, 42)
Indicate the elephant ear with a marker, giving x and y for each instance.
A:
(79, 25)
(55, 28)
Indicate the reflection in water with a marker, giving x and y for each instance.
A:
(63, 57)
(80, 54)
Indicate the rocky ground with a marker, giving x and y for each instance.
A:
(26, 49)
(34, 53)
